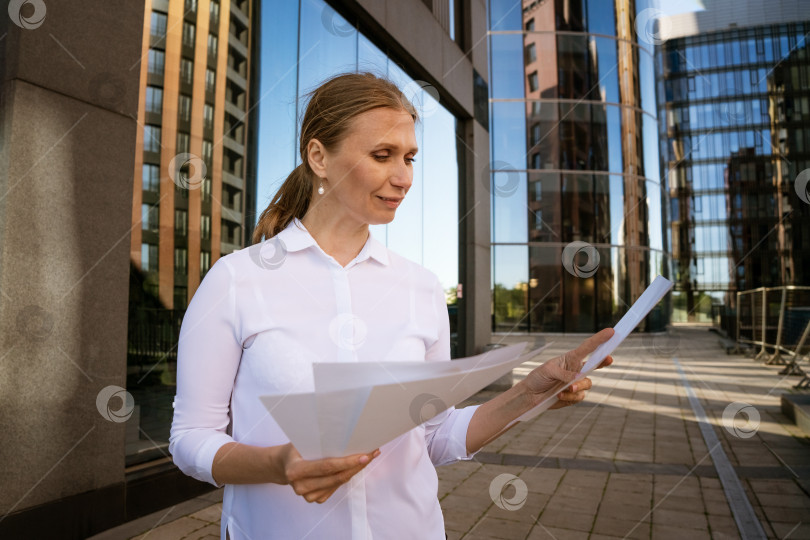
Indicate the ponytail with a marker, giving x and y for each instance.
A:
(291, 201)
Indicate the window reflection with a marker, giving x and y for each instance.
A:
(589, 149)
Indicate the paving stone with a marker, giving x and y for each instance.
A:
(211, 514)
(615, 509)
(542, 532)
(669, 532)
(684, 520)
(542, 480)
(723, 527)
(210, 530)
(681, 504)
(623, 528)
(173, 530)
(569, 517)
(784, 500)
(793, 529)
(460, 520)
(627, 498)
(789, 515)
(460, 502)
(501, 528)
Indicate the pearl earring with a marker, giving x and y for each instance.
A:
(320, 189)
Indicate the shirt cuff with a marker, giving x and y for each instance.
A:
(205, 457)
(458, 433)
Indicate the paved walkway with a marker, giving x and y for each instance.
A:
(634, 461)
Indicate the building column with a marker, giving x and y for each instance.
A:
(68, 106)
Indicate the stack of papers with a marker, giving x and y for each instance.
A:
(357, 407)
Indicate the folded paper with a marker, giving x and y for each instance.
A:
(359, 406)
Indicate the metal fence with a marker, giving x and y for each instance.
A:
(775, 322)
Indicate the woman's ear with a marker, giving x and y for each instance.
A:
(316, 155)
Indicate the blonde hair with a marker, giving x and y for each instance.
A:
(331, 108)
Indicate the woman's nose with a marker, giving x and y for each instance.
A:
(402, 177)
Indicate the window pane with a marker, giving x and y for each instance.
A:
(508, 135)
(156, 59)
(507, 66)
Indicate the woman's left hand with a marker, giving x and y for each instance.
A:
(559, 371)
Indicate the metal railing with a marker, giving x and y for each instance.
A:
(776, 321)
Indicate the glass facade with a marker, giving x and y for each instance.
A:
(195, 212)
(308, 42)
(736, 106)
(577, 200)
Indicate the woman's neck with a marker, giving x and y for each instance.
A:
(338, 237)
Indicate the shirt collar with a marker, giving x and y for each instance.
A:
(296, 237)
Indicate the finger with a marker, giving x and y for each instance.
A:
(583, 384)
(572, 397)
(606, 362)
(332, 466)
(307, 486)
(590, 344)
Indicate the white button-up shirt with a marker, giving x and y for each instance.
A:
(260, 318)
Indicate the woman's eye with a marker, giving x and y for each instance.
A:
(410, 160)
(380, 157)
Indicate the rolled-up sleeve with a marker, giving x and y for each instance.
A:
(208, 357)
(446, 433)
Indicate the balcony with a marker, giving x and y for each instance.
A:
(231, 214)
(238, 79)
(239, 12)
(233, 180)
(229, 143)
(237, 46)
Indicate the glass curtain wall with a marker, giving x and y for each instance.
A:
(577, 201)
(735, 139)
(307, 42)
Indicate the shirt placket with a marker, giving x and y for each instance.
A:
(347, 352)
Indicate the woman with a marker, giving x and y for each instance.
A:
(320, 288)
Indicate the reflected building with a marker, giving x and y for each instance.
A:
(194, 178)
(577, 204)
(732, 83)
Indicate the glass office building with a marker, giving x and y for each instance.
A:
(577, 201)
(736, 137)
(308, 42)
(194, 176)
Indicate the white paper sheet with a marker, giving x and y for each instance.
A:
(357, 407)
(640, 308)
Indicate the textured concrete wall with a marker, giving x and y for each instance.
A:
(68, 97)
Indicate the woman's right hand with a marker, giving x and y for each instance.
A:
(317, 480)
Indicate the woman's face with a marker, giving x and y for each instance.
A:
(371, 169)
